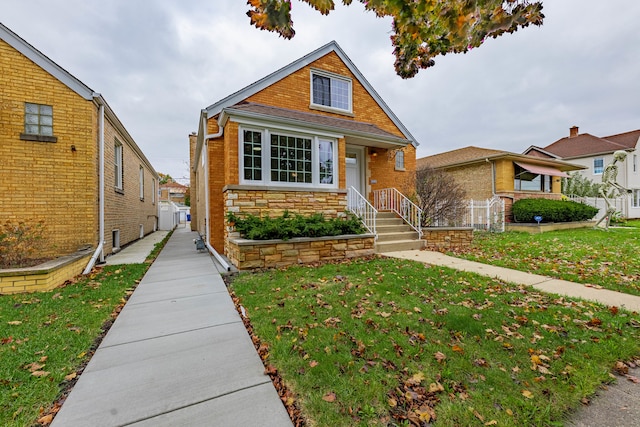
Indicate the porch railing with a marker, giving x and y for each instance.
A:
(390, 199)
(364, 210)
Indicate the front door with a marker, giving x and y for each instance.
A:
(354, 168)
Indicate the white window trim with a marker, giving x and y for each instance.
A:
(141, 183)
(266, 158)
(593, 163)
(401, 154)
(331, 76)
(635, 198)
(119, 164)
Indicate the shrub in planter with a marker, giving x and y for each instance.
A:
(552, 210)
(288, 226)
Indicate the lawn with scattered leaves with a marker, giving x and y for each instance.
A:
(395, 342)
(45, 337)
(604, 259)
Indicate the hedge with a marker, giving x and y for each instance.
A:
(552, 210)
(288, 226)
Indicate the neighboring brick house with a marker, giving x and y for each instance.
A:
(296, 140)
(595, 153)
(484, 173)
(52, 130)
(173, 192)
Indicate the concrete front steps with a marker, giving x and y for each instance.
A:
(395, 235)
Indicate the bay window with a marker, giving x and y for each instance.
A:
(283, 158)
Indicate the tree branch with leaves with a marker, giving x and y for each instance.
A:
(422, 29)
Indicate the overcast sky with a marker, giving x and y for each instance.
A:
(159, 62)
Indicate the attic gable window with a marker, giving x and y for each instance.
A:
(330, 91)
(38, 123)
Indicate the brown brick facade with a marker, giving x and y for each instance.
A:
(292, 92)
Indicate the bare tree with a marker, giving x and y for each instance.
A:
(440, 197)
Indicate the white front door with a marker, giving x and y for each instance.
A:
(354, 166)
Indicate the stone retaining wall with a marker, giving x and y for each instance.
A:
(43, 277)
(251, 254)
(445, 238)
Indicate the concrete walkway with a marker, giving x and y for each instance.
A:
(177, 355)
(617, 405)
(543, 283)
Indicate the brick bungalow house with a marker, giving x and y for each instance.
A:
(67, 160)
(173, 192)
(298, 139)
(484, 173)
(594, 153)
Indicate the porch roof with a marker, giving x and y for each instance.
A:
(359, 133)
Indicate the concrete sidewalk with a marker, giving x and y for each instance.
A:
(542, 283)
(617, 405)
(177, 355)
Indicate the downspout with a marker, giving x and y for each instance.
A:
(100, 249)
(215, 253)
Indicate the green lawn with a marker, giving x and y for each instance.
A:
(608, 259)
(46, 337)
(394, 342)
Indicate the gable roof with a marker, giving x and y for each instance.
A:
(471, 154)
(461, 155)
(242, 94)
(587, 145)
(66, 78)
(43, 61)
(628, 139)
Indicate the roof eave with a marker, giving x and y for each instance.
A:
(44, 62)
(396, 141)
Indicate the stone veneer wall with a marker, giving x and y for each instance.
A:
(43, 277)
(251, 254)
(263, 201)
(444, 238)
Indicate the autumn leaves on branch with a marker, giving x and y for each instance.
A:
(422, 29)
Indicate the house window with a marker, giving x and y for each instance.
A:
(635, 163)
(141, 183)
(598, 166)
(38, 119)
(529, 181)
(252, 152)
(276, 158)
(290, 159)
(635, 198)
(331, 91)
(118, 171)
(400, 160)
(325, 156)
(115, 239)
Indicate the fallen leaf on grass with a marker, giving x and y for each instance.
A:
(313, 363)
(47, 419)
(491, 423)
(621, 368)
(70, 376)
(440, 357)
(457, 349)
(14, 322)
(40, 373)
(329, 397)
(527, 394)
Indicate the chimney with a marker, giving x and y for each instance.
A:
(573, 131)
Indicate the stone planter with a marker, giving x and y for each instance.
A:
(446, 238)
(251, 254)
